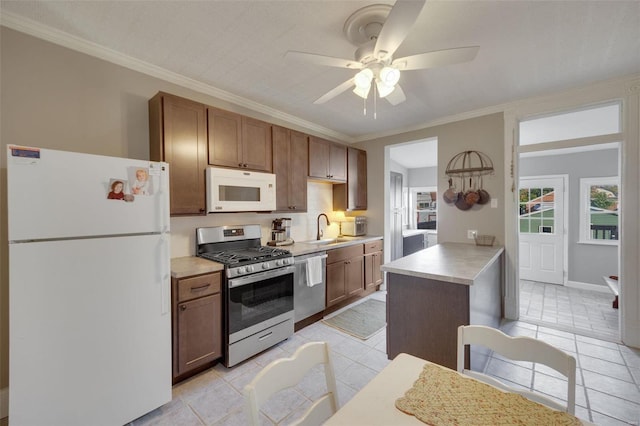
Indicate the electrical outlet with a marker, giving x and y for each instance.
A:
(471, 233)
(494, 203)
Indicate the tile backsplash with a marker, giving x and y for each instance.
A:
(319, 200)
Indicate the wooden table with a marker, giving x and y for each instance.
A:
(375, 403)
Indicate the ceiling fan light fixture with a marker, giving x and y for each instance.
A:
(363, 92)
(384, 89)
(363, 79)
(389, 76)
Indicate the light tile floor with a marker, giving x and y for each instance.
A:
(607, 378)
(579, 311)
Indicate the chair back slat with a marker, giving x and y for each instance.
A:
(288, 372)
(520, 348)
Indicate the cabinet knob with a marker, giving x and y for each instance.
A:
(240, 165)
(183, 307)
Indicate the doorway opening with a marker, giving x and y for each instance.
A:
(568, 221)
(412, 173)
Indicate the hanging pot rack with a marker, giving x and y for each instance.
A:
(469, 164)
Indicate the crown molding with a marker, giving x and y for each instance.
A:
(61, 38)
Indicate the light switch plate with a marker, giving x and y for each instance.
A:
(494, 203)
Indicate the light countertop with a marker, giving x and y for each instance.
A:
(302, 248)
(450, 262)
(191, 265)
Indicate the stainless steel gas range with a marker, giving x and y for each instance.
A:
(257, 290)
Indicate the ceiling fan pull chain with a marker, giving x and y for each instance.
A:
(364, 106)
(375, 102)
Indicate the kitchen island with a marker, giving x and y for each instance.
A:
(433, 291)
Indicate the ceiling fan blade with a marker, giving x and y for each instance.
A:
(334, 92)
(437, 58)
(396, 27)
(329, 61)
(397, 96)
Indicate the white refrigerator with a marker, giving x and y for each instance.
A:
(89, 286)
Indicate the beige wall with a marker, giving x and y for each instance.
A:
(485, 134)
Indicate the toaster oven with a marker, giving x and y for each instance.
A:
(354, 226)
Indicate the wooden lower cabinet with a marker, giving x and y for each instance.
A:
(372, 263)
(197, 323)
(345, 273)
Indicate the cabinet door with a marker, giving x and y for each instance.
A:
(336, 290)
(298, 163)
(281, 166)
(318, 158)
(369, 270)
(377, 273)
(199, 332)
(256, 145)
(224, 136)
(372, 272)
(184, 147)
(354, 275)
(338, 162)
(353, 194)
(290, 157)
(357, 189)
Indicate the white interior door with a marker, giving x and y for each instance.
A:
(542, 229)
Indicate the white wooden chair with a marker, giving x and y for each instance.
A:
(520, 349)
(287, 372)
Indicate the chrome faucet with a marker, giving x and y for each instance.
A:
(319, 234)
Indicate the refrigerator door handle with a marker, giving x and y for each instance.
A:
(165, 274)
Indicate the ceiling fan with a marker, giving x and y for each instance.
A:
(378, 30)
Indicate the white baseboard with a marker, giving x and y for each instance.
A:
(4, 403)
(586, 286)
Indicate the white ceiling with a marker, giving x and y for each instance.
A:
(527, 48)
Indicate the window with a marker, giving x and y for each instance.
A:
(592, 121)
(599, 205)
(537, 210)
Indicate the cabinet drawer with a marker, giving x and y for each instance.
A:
(373, 246)
(203, 285)
(345, 253)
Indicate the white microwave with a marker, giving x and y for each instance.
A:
(231, 190)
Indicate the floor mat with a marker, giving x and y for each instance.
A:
(362, 321)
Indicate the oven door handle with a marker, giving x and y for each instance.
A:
(260, 276)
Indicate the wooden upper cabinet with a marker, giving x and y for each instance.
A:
(338, 162)
(238, 141)
(177, 135)
(290, 157)
(327, 160)
(256, 144)
(224, 132)
(353, 194)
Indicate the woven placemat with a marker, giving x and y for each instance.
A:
(441, 396)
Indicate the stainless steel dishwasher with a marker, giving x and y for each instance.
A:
(308, 300)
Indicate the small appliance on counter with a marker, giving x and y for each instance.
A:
(353, 226)
(281, 233)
